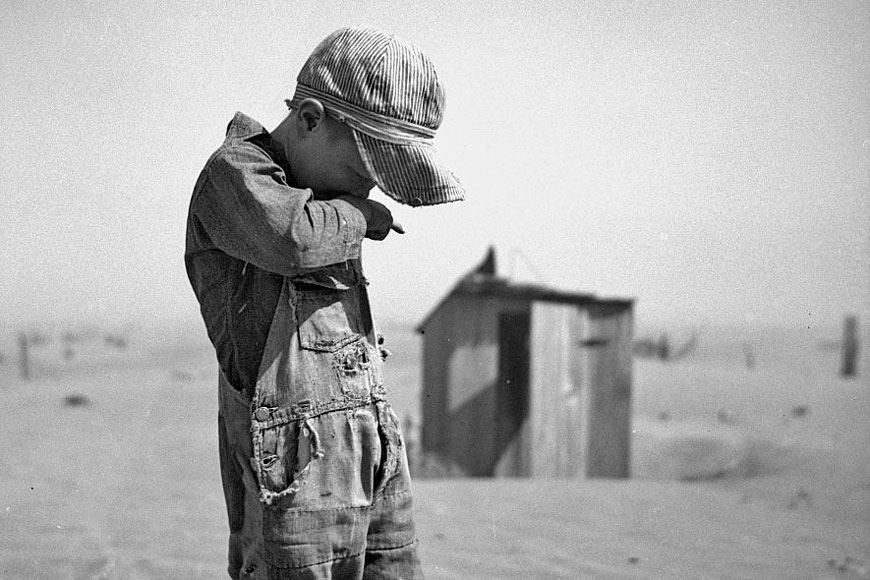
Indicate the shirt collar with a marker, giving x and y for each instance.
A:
(243, 127)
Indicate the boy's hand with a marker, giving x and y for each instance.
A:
(378, 218)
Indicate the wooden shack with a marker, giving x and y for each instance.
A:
(524, 380)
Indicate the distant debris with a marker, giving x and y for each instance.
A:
(848, 365)
(800, 411)
(687, 347)
(116, 341)
(650, 348)
(50, 351)
(748, 355)
(24, 355)
(76, 400)
(35, 338)
(726, 417)
(853, 567)
(801, 498)
(662, 349)
(70, 337)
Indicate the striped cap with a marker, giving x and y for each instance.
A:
(387, 91)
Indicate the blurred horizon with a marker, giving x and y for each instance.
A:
(710, 161)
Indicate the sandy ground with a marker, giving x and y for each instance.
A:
(750, 474)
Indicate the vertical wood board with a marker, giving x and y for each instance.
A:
(557, 392)
(609, 415)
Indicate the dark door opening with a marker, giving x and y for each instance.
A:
(512, 393)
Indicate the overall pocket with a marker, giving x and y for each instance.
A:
(393, 476)
(328, 320)
(277, 457)
(282, 457)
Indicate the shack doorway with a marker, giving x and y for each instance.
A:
(512, 394)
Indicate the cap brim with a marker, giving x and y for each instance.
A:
(409, 173)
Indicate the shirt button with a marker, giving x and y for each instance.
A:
(262, 414)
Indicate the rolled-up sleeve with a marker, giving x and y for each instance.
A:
(248, 211)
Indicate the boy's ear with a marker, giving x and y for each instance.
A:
(311, 114)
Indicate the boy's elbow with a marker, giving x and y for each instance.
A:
(300, 239)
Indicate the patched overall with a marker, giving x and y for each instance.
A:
(314, 468)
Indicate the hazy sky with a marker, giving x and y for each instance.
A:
(710, 159)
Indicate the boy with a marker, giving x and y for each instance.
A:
(313, 465)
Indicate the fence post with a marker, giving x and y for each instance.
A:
(24, 355)
(849, 347)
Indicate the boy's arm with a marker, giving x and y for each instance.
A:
(249, 212)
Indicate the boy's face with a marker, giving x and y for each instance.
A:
(331, 163)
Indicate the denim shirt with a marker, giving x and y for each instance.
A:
(248, 230)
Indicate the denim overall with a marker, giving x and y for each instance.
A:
(313, 466)
(319, 488)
